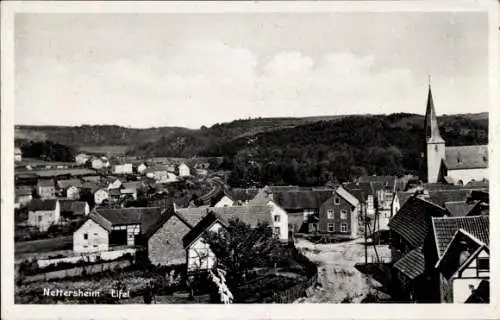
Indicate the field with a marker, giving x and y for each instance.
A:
(45, 245)
(340, 281)
(108, 150)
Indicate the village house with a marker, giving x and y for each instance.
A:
(457, 165)
(100, 195)
(141, 167)
(18, 154)
(339, 215)
(160, 174)
(199, 256)
(71, 209)
(365, 193)
(235, 196)
(383, 188)
(107, 228)
(98, 164)
(46, 189)
(23, 195)
(44, 213)
(69, 188)
(81, 158)
(184, 170)
(125, 168)
(462, 255)
(114, 183)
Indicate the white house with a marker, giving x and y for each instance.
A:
(44, 213)
(225, 201)
(184, 170)
(101, 195)
(90, 237)
(97, 164)
(279, 220)
(18, 154)
(114, 184)
(160, 175)
(141, 168)
(81, 158)
(125, 168)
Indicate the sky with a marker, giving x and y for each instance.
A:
(186, 69)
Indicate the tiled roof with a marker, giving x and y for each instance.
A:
(45, 183)
(347, 196)
(294, 200)
(440, 186)
(199, 228)
(365, 187)
(274, 189)
(413, 220)
(42, 205)
(146, 217)
(380, 182)
(440, 197)
(114, 192)
(445, 228)
(459, 208)
(467, 157)
(73, 206)
(132, 185)
(64, 184)
(413, 264)
(403, 196)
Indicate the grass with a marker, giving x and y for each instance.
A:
(46, 245)
(112, 149)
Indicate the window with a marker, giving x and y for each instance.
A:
(331, 227)
(85, 236)
(95, 245)
(343, 227)
(483, 264)
(277, 218)
(85, 246)
(343, 214)
(336, 200)
(95, 233)
(39, 218)
(277, 231)
(330, 214)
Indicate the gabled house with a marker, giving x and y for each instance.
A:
(160, 174)
(383, 188)
(81, 158)
(44, 213)
(100, 195)
(23, 195)
(106, 228)
(184, 170)
(46, 189)
(141, 167)
(114, 183)
(124, 168)
(461, 255)
(71, 209)
(339, 214)
(235, 197)
(199, 256)
(69, 188)
(97, 164)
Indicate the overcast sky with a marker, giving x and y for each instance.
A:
(144, 70)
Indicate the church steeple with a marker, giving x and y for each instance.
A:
(432, 134)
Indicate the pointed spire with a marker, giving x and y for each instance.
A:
(432, 134)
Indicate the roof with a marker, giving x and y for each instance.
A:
(440, 197)
(76, 207)
(45, 183)
(412, 264)
(440, 186)
(92, 186)
(248, 214)
(445, 228)
(403, 196)
(23, 191)
(201, 227)
(460, 208)
(192, 215)
(379, 182)
(147, 217)
(413, 220)
(365, 187)
(65, 184)
(478, 184)
(282, 188)
(343, 193)
(467, 157)
(42, 205)
(114, 192)
(132, 185)
(292, 200)
(432, 134)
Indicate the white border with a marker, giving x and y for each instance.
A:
(292, 311)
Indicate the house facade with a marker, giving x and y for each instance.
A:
(199, 256)
(97, 164)
(46, 189)
(339, 214)
(44, 213)
(279, 219)
(101, 195)
(225, 201)
(90, 237)
(125, 168)
(165, 246)
(184, 170)
(81, 158)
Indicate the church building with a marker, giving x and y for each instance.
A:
(456, 165)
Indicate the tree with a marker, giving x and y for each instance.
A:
(240, 248)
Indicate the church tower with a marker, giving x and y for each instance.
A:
(435, 152)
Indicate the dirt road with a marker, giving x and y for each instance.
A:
(339, 280)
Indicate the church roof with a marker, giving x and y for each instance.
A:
(466, 157)
(432, 134)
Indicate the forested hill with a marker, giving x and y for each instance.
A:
(316, 153)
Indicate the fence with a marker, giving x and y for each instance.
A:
(301, 289)
(78, 271)
(89, 257)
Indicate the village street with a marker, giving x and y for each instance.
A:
(338, 277)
